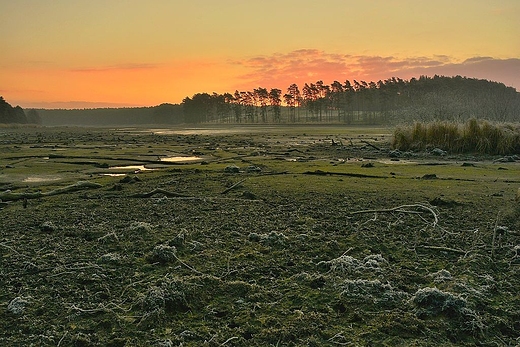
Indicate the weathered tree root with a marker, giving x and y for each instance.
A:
(9, 196)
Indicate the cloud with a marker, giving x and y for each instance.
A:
(310, 65)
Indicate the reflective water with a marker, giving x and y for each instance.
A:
(131, 167)
(179, 159)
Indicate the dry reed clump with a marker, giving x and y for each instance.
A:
(473, 136)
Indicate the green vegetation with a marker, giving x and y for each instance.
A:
(383, 102)
(281, 236)
(471, 137)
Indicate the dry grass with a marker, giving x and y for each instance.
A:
(472, 137)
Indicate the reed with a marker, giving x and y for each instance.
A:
(474, 136)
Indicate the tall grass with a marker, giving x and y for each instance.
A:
(474, 136)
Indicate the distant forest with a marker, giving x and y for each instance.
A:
(128, 116)
(384, 102)
(391, 101)
(10, 114)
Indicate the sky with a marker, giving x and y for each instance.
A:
(124, 53)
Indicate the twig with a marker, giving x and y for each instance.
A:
(189, 267)
(230, 339)
(338, 335)
(9, 247)
(59, 342)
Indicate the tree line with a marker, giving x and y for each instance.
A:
(10, 114)
(129, 116)
(389, 101)
(360, 102)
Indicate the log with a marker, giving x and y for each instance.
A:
(9, 196)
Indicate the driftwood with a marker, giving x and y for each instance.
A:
(159, 191)
(9, 196)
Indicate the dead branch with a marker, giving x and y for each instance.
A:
(159, 191)
(370, 144)
(403, 209)
(9, 196)
(233, 186)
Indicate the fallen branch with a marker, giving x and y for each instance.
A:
(233, 186)
(370, 144)
(159, 191)
(402, 208)
(9, 196)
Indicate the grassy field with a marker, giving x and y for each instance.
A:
(270, 236)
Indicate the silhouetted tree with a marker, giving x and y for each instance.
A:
(9, 114)
(276, 101)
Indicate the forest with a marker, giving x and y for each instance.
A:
(389, 102)
(10, 114)
(384, 102)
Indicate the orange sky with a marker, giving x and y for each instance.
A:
(91, 53)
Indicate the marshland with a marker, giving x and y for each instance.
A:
(264, 236)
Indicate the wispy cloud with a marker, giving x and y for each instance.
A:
(309, 65)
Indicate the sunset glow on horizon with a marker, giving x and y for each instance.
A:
(78, 53)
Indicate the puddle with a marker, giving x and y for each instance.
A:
(179, 159)
(37, 179)
(113, 174)
(131, 167)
